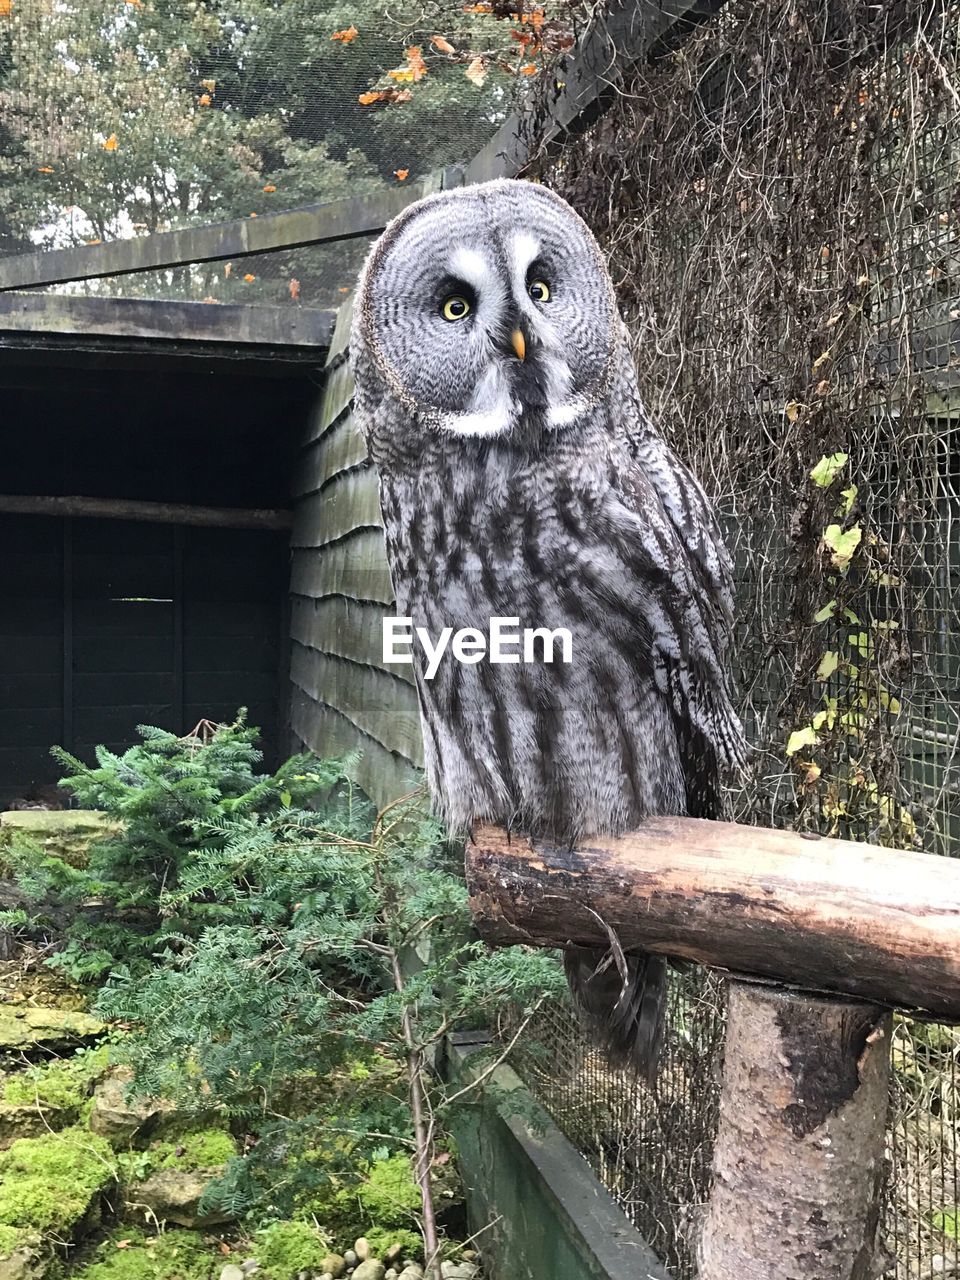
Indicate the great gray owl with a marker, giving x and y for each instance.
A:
(520, 477)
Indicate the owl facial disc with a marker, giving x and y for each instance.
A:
(489, 309)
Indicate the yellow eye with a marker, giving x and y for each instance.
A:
(456, 307)
(539, 291)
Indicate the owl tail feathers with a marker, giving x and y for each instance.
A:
(621, 1002)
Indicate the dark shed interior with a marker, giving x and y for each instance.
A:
(106, 624)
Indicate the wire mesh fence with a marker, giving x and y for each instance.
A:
(779, 199)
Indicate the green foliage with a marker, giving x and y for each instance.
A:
(168, 800)
(47, 1184)
(128, 1254)
(284, 1248)
(285, 933)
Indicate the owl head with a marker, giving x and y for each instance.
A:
(485, 308)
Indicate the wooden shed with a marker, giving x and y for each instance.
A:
(150, 452)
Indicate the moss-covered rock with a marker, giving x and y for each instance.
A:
(51, 1191)
(133, 1255)
(388, 1197)
(382, 1242)
(167, 1182)
(66, 834)
(24, 1029)
(285, 1248)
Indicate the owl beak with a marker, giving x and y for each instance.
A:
(519, 343)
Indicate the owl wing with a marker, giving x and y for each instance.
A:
(691, 638)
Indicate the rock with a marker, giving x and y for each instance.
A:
(21, 1120)
(249, 1266)
(372, 1269)
(173, 1195)
(325, 1275)
(66, 834)
(362, 1249)
(459, 1270)
(232, 1272)
(391, 1274)
(58, 1030)
(470, 1255)
(29, 1261)
(121, 1121)
(413, 1271)
(392, 1255)
(334, 1265)
(350, 1258)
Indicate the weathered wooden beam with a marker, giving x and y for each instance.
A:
(150, 512)
(233, 323)
(628, 31)
(826, 915)
(271, 233)
(798, 1163)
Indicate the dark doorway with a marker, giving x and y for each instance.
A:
(108, 624)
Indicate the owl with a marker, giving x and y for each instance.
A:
(521, 478)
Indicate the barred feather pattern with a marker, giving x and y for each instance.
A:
(599, 529)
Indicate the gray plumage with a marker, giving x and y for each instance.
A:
(538, 488)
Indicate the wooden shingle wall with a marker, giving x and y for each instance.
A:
(343, 697)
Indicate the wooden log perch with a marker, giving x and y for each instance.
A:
(825, 915)
(151, 512)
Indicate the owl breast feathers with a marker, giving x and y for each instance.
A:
(521, 477)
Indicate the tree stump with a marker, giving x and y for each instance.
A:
(799, 1160)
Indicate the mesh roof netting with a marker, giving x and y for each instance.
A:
(125, 117)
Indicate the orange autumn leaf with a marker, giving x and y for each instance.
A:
(123, 1244)
(294, 287)
(111, 143)
(137, 4)
(346, 36)
(269, 188)
(344, 288)
(476, 73)
(528, 69)
(211, 300)
(95, 241)
(45, 168)
(401, 175)
(415, 69)
(523, 38)
(205, 100)
(209, 85)
(253, 215)
(442, 45)
(6, 8)
(249, 278)
(384, 95)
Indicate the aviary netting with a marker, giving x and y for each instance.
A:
(780, 201)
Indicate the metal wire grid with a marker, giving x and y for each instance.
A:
(783, 168)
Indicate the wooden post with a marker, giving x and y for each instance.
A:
(798, 1164)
